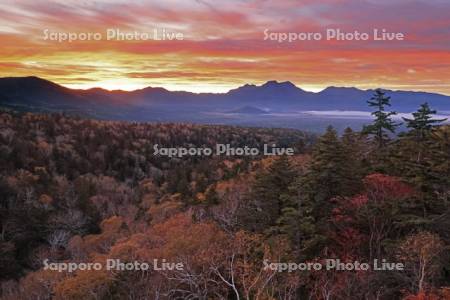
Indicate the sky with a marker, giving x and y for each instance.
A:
(225, 44)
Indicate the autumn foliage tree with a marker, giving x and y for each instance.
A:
(80, 190)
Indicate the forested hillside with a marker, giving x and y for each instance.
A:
(80, 190)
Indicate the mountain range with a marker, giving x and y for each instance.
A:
(158, 104)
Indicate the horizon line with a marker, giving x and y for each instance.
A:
(68, 86)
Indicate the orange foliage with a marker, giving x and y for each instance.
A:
(113, 224)
(426, 296)
(84, 285)
(379, 186)
(166, 209)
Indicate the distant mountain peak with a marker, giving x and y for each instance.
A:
(341, 91)
(274, 83)
(34, 93)
(340, 88)
(270, 87)
(249, 110)
(28, 79)
(270, 83)
(153, 89)
(31, 83)
(281, 87)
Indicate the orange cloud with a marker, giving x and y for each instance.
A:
(224, 44)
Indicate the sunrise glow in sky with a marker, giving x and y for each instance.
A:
(223, 44)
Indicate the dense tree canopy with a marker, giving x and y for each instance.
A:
(77, 190)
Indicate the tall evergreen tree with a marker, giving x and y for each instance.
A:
(422, 122)
(420, 157)
(328, 174)
(299, 223)
(355, 148)
(266, 198)
(382, 122)
(415, 147)
(307, 207)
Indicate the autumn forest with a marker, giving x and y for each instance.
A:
(79, 190)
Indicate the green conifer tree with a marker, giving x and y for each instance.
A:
(382, 122)
(266, 198)
(355, 149)
(307, 207)
(328, 173)
(420, 157)
(422, 123)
